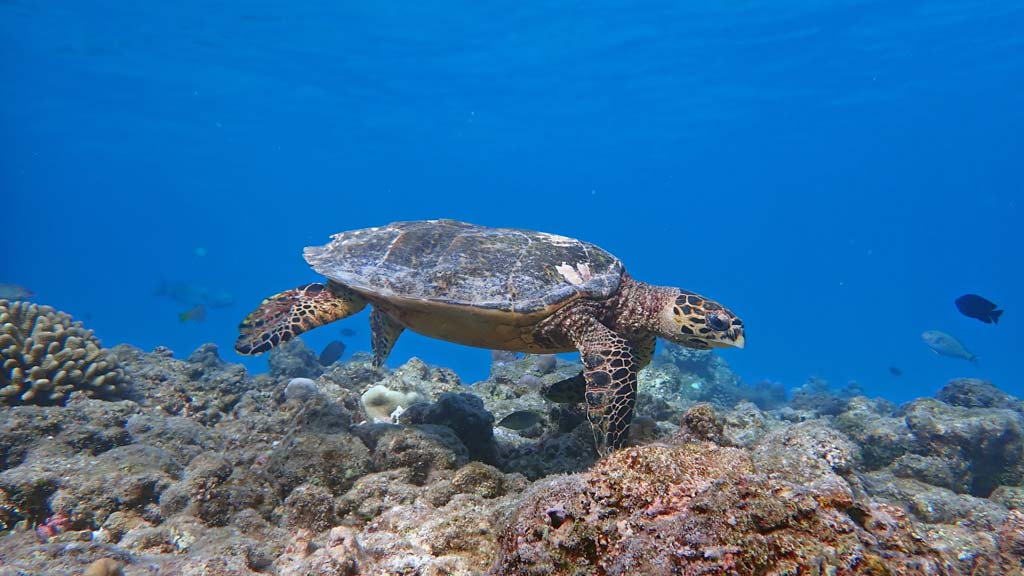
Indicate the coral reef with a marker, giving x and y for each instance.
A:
(46, 356)
(704, 509)
(968, 450)
(294, 359)
(205, 469)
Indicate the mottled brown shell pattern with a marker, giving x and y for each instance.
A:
(457, 263)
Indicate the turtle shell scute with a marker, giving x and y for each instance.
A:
(457, 263)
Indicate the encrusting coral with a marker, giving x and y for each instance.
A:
(46, 355)
(380, 402)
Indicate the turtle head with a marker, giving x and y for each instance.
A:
(697, 322)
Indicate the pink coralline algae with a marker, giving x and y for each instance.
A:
(53, 525)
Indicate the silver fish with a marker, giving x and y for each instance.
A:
(14, 292)
(945, 345)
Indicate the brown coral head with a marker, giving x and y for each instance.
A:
(46, 356)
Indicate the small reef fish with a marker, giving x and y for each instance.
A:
(974, 306)
(332, 352)
(503, 356)
(520, 420)
(194, 295)
(895, 371)
(572, 390)
(196, 313)
(347, 332)
(14, 292)
(945, 345)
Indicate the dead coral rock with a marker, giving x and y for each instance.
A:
(975, 393)
(557, 452)
(989, 440)
(87, 489)
(120, 523)
(484, 480)
(204, 483)
(744, 425)
(46, 355)
(374, 493)
(333, 460)
(701, 509)
(342, 556)
(881, 436)
(125, 478)
(458, 538)
(949, 472)
(1010, 497)
(428, 382)
(422, 449)
(310, 507)
(807, 452)
(293, 359)
(83, 426)
(354, 375)
(203, 388)
(933, 504)
(184, 545)
(465, 414)
(182, 438)
(1011, 540)
(702, 423)
(104, 567)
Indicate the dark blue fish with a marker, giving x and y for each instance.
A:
(974, 306)
(895, 371)
(332, 352)
(347, 332)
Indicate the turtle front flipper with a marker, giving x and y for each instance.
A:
(610, 371)
(284, 316)
(573, 390)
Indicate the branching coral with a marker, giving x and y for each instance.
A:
(46, 355)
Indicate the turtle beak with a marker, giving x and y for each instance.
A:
(740, 339)
(735, 338)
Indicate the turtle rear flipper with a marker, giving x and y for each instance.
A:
(284, 316)
(385, 330)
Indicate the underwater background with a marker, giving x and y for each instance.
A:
(836, 173)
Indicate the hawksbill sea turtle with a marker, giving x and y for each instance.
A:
(501, 289)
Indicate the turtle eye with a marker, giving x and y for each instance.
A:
(718, 320)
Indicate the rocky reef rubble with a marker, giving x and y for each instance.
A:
(354, 470)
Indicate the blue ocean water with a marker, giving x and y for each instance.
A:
(836, 172)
